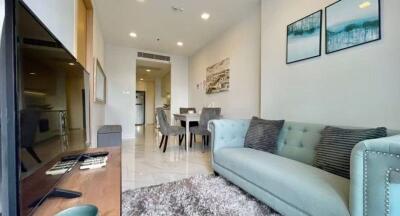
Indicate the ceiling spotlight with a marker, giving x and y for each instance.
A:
(141, 79)
(32, 73)
(133, 34)
(179, 43)
(205, 16)
(148, 70)
(365, 4)
(71, 63)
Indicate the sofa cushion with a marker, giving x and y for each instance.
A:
(297, 141)
(263, 134)
(334, 150)
(314, 191)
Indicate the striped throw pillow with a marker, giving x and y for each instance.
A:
(263, 134)
(334, 150)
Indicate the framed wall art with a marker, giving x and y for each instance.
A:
(304, 38)
(351, 23)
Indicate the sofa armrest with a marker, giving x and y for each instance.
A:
(374, 164)
(227, 133)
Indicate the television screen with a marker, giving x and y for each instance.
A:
(52, 101)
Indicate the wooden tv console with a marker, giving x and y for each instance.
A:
(99, 187)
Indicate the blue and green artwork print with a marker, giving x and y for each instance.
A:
(352, 22)
(304, 38)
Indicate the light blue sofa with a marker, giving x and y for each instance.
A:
(288, 183)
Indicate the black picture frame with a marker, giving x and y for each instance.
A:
(99, 73)
(320, 38)
(326, 28)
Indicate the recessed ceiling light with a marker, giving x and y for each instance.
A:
(148, 70)
(133, 34)
(141, 1)
(365, 4)
(205, 16)
(141, 79)
(179, 43)
(32, 73)
(71, 63)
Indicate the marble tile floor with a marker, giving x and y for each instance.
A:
(144, 164)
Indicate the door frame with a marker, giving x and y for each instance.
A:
(144, 102)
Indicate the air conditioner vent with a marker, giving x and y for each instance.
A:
(154, 56)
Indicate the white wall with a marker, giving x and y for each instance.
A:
(179, 82)
(59, 17)
(97, 114)
(158, 93)
(356, 87)
(120, 68)
(121, 74)
(241, 43)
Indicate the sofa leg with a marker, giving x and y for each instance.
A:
(215, 173)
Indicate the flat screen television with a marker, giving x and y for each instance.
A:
(52, 96)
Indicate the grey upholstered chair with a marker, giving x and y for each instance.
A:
(167, 130)
(207, 114)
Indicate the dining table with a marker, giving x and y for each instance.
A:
(188, 117)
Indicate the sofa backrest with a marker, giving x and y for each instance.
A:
(297, 141)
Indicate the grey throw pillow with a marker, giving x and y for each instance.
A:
(263, 134)
(334, 150)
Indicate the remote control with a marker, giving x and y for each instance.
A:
(84, 156)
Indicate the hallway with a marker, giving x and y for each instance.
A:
(144, 164)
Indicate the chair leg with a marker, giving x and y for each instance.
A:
(195, 138)
(204, 143)
(191, 140)
(208, 140)
(180, 139)
(162, 140)
(165, 144)
(33, 153)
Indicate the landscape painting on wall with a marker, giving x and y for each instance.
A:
(304, 38)
(351, 23)
(218, 77)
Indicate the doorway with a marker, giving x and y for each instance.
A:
(153, 82)
(140, 108)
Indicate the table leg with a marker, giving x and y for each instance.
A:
(187, 135)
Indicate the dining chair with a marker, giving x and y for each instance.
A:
(207, 114)
(167, 130)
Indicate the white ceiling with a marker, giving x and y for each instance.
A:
(158, 70)
(154, 19)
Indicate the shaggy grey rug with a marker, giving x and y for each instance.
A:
(200, 195)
